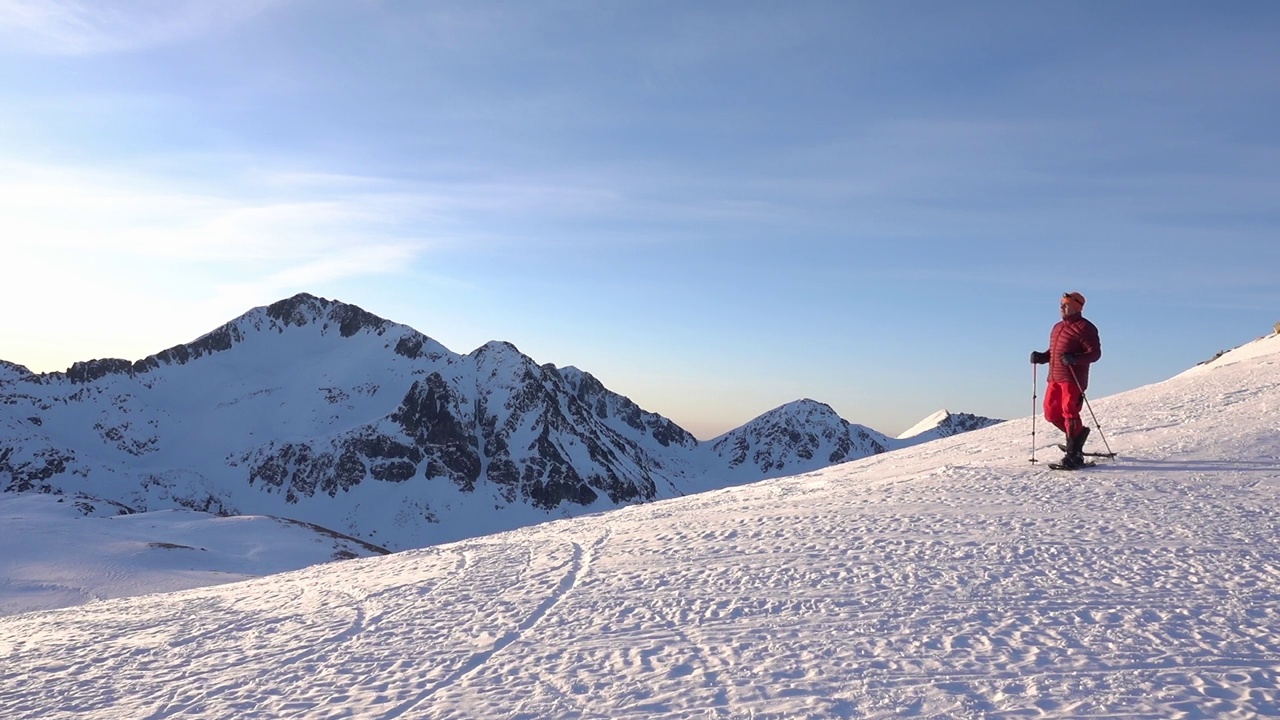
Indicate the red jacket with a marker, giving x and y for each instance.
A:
(1073, 334)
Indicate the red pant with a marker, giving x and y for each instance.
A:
(1062, 402)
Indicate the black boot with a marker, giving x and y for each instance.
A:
(1072, 460)
(1078, 445)
(1075, 446)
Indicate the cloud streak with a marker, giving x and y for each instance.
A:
(86, 27)
(73, 210)
(111, 236)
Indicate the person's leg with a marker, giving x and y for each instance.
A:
(1072, 400)
(1073, 425)
(1053, 405)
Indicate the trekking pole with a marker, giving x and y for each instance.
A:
(1035, 384)
(1095, 417)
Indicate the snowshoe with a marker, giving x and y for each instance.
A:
(1073, 466)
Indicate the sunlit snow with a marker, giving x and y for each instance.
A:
(954, 579)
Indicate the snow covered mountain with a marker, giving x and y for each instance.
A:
(951, 579)
(318, 410)
(798, 437)
(945, 424)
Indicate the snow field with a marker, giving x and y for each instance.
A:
(52, 555)
(950, 580)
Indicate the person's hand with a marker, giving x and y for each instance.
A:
(1068, 358)
(1039, 358)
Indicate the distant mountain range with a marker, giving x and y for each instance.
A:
(317, 410)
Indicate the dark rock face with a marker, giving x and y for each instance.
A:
(429, 417)
(220, 340)
(413, 345)
(87, 372)
(299, 471)
(957, 423)
(861, 437)
(13, 371)
(26, 475)
(303, 309)
(605, 405)
(498, 418)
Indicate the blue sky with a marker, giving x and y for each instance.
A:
(714, 207)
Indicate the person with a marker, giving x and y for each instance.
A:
(1073, 347)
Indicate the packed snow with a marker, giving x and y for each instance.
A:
(60, 551)
(953, 579)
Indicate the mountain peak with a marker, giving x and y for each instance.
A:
(305, 309)
(929, 423)
(802, 412)
(945, 424)
(799, 436)
(806, 405)
(12, 371)
(497, 347)
(301, 310)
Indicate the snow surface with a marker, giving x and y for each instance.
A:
(954, 579)
(59, 551)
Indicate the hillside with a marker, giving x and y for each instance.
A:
(952, 579)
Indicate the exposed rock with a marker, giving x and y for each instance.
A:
(90, 370)
(12, 371)
(798, 437)
(430, 416)
(303, 309)
(607, 405)
(34, 469)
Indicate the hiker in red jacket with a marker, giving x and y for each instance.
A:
(1073, 346)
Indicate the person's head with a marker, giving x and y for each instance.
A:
(1071, 304)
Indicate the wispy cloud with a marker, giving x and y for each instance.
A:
(83, 244)
(74, 210)
(94, 234)
(82, 27)
(345, 262)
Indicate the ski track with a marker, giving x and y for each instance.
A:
(577, 565)
(1143, 595)
(952, 580)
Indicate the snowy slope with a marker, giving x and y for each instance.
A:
(943, 424)
(58, 551)
(953, 579)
